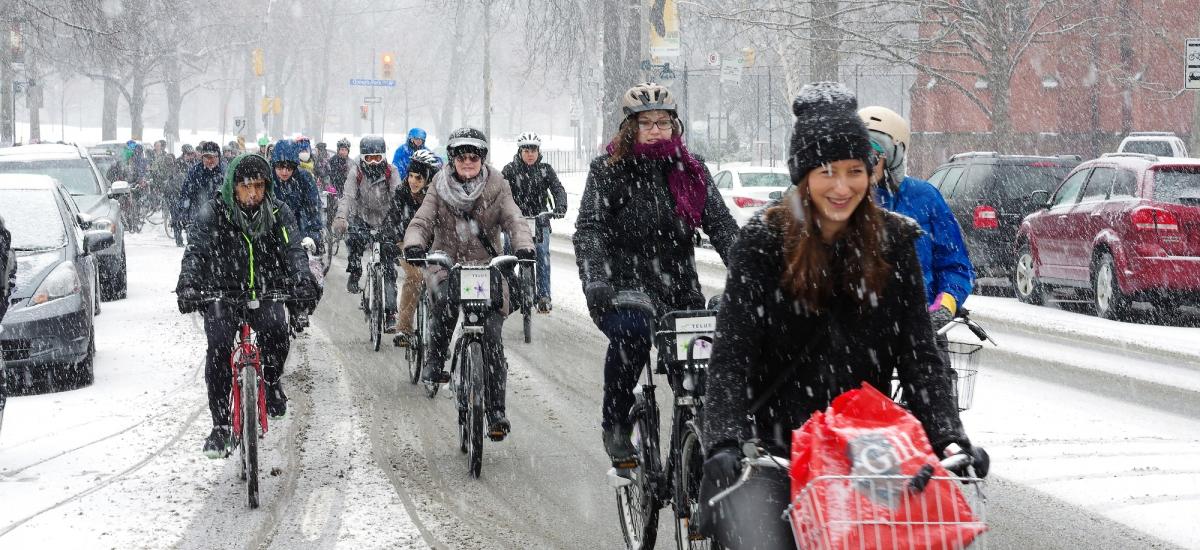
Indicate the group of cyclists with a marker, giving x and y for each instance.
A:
(842, 281)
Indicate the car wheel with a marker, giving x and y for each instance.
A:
(96, 291)
(85, 372)
(1110, 302)
(114, 286)
(1025, 283)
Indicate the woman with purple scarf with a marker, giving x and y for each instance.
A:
(637, 229)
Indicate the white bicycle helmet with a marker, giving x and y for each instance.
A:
(892, 125)
(647, 96)
(529, 139)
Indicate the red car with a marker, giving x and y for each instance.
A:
(1121, 228)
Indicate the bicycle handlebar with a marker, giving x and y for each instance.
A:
(963, 317)
(546, 215)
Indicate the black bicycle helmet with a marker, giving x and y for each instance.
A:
(372, 145)
(343, 144)
(467, 140)
(187, 148)
(209, 148)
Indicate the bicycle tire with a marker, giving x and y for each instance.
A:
(688, 473)
(472, 366)
(527, 324)
(376, 308)
(249, 434)
(638, 503)
(416, 345)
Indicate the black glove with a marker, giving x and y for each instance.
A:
(414, 253)
(980, 460)
(599, 298)
(526, 254)
(188, 299)
(306, 291)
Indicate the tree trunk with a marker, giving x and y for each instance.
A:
(108, 117)
(447, 113)
(7, 116)
(823, 59)
(613, 81)
(251, 108)
(137, 104)
(1000, 88)
(174, 99)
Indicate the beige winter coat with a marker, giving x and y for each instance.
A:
(494, 213)
(369, 199)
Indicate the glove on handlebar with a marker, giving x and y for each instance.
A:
(526, 254)
(599, 298)
(414, 253)
(188, 300)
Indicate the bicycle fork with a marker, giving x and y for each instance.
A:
(247, 355)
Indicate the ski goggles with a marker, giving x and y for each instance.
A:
(373, 159)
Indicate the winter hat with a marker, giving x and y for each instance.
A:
(827, 129)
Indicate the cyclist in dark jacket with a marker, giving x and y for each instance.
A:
(824, 293)
(8, 270)
(534, 185)
(641, 208)
(406, 200)
(339, 165)
(297, 189)
(202, 183)
(245, 245)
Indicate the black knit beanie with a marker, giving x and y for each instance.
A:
(827, 129)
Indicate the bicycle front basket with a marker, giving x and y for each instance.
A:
(964, 359)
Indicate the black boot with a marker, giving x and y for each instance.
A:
(352, 277)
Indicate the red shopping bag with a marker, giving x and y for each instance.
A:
(850, 469)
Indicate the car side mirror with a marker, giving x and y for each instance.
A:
(119, 188)
(97, 240)
(85, 220)
(1041, 197)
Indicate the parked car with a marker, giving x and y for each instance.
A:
(1161, 144)
(50, 324)
(70, 165)
(1121, 228)
(990, 194)
(748, 189)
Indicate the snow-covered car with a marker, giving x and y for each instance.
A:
(1161, 144)
(747, 189)
(70, 165)
(50, 323)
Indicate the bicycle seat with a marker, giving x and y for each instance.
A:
(636, 300)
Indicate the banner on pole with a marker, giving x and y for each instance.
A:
(664, 28)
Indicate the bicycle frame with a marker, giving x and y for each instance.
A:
(246, 355)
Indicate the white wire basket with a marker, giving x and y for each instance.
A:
(964, 359)
(884, 513)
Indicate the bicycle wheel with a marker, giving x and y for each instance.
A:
(472, 367)
(688, 473)
(416, 345)
(249, 435)
(376, 308)
(638, 502)
(527, 305)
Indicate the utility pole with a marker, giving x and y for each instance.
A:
(487, 68)
(372, 107)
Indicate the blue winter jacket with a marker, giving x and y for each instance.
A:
(200, 185)
(940, 248)
(302, 197)
(402, 157)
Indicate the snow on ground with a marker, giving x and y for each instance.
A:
(118, 464)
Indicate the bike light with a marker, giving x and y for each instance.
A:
(472, 318)
(747, 202)
(63, 281)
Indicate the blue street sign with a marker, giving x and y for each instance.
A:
(371, 82)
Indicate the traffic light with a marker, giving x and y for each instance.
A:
(389, 65)
(748, 57)
(365, 109)
(257, 58)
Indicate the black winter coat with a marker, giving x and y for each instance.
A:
(8, 268)
(762, 333)
(404, 207)
(338, 168)
(628, 234)
(219, 257)
(532, 185)
(200, 185)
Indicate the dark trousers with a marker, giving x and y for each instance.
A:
(221, 326)
(443, 318)
(628, 335)
(358, 238)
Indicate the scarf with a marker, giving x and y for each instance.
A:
(256, 223)
(686, 179)
(461, 195)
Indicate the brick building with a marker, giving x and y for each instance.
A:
(1070, 93)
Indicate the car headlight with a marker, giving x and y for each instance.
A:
(63, 281)
(104, 224)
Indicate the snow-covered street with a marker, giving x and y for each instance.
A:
(1090, 443)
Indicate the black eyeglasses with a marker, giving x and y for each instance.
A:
(663, 124)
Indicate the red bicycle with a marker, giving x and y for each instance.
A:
(247, 400)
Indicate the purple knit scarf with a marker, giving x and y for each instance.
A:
(686, 180)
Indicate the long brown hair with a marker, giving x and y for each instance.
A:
(811, 274)
(626, 136)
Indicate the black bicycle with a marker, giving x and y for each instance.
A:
(477, 292)
(373, 293)
(683, 340)
(418, 342)
(528, 274)
(329, 202)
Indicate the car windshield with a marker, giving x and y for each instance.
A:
(765, 179)
(75, 174)
(33, 218)
(1158, 148)
(1018, 181)
(1177, 186)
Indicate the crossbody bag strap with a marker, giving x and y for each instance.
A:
(483, 236)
